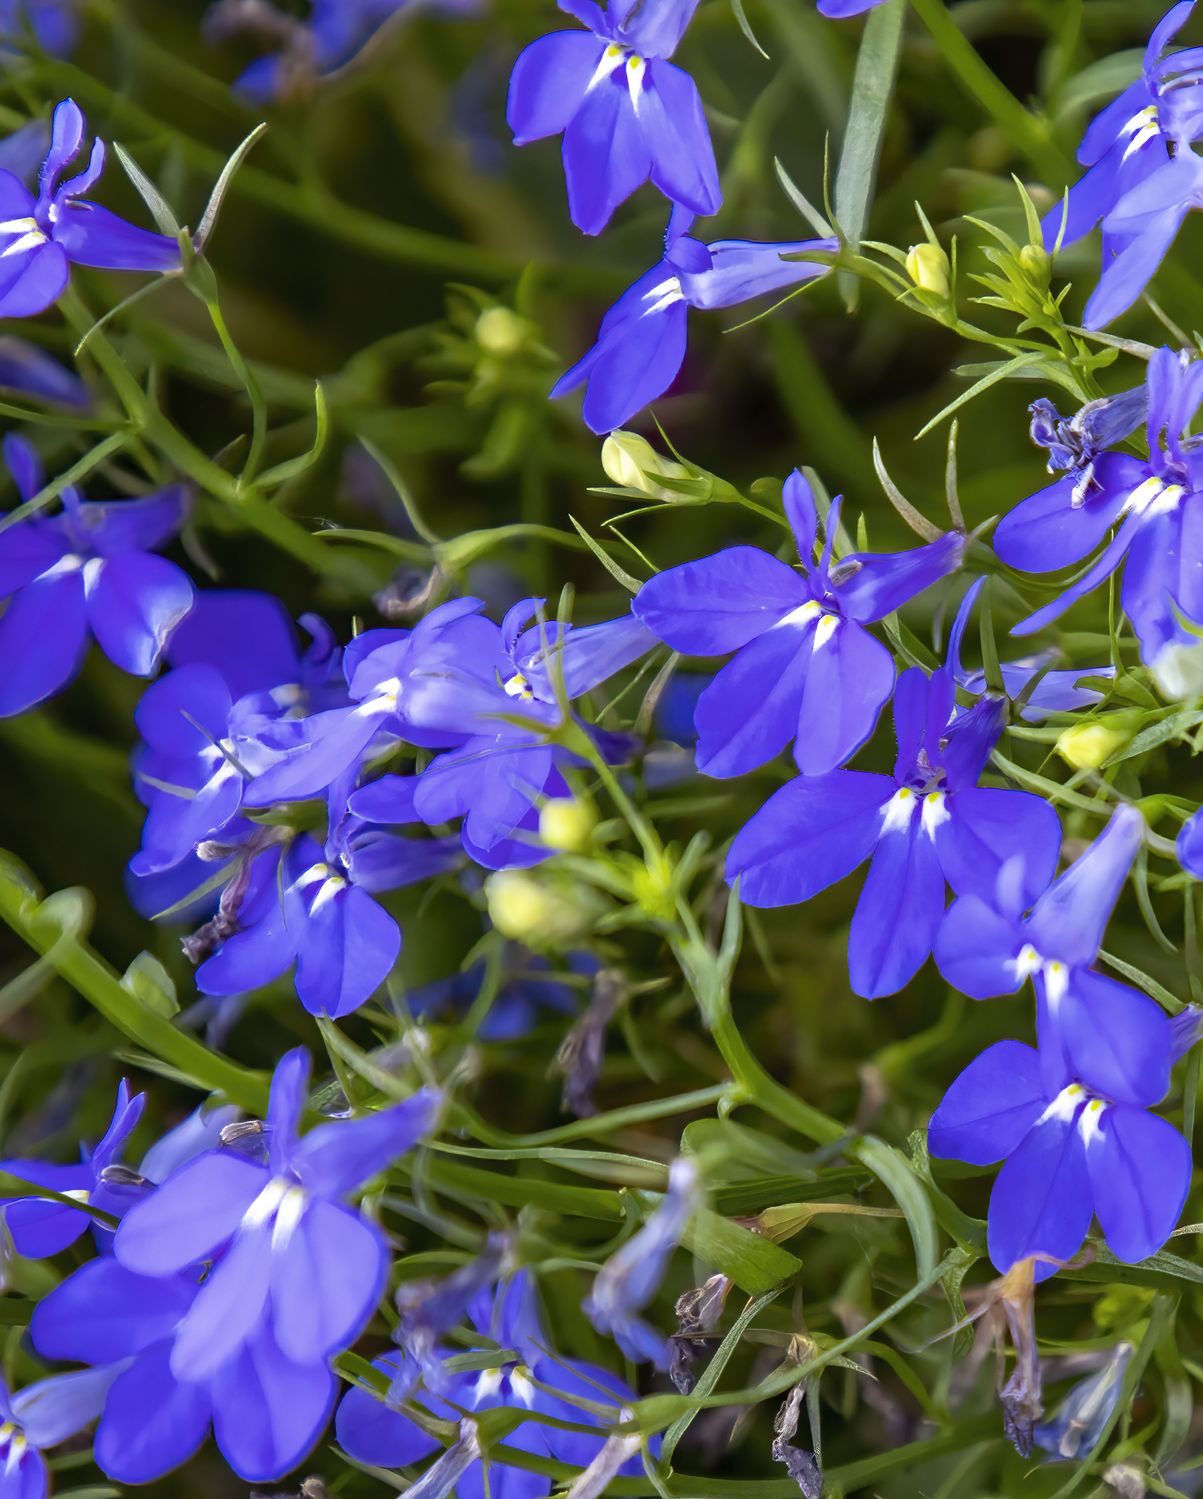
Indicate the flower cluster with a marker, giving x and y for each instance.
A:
(294, 779)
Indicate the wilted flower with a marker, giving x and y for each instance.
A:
(631, 1276)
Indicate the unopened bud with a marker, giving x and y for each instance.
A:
(1037, 262)
(927, 266)
(566, 824)
(630, 460)
(500, 331)
(524, 909)
(1088, 746)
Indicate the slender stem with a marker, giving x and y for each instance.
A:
(982, 84)
(209, 476)
(91, 977)
(254, 392)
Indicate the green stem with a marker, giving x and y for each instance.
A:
(1021, 127)
(189, 460)
(91, 977)
(254, 392)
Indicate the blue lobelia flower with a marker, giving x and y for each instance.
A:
(26, 368)
(315, 908)
(201, 743)
(42, 237)
(40, 1227)
(1132, 137)
(631, 1276)
(41, 1416)
(54, 24)
(1151, 503)
(378, 667)
(1056, 691)
(1190, 844)
(1078, 1422)
(266, 1410)
(927, 826)
(290, 1256)
(498, 707)
(992, 941)
(626, 113)
(840, 10)
(641, 342)
(88, 571)
(805, 667)
(1071, 1151)
(527, 989)
(379, 1431)
(1073, 443)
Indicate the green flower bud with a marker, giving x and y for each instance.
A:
(500, 331)
(927, 266)
(1087, 746)
(630, 460)
(566, 824)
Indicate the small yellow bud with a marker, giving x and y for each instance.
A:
(524, 909)
(630, 460)
(927, 266)
(566, 824)
(500, 331)
(1087, 746)
(1037, 262)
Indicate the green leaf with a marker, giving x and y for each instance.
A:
(222, 186)
(160, 209)
(151, 985)
(872, 86)
(754, 1263)
(619, 574)
(54, 928)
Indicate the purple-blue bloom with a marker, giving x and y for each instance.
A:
(233, 707)
(1142, 176)
(315, 908)
(266, 1410)
(379, 1432)
(291, 1256)
(496, 706)
(40, 1227)
(927, 826)
(840, 10)
(1093, 1027)
(40, 1416)
(26, 368)
(641, 342)
(1057, 691)
(89, 571)
(1135, 134)
(631, 1276)
(528, 986)
(1151, 502)
(378, 667)
(626, 113)
(42, 237)
(805, 669)
(53, 23)
(1071, 1151)
(1190, 844)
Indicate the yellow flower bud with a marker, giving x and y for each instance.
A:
(927, 266)
(565, 823)
(525, 909)
(500, 331)
(630, 460)
(1087, 746)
